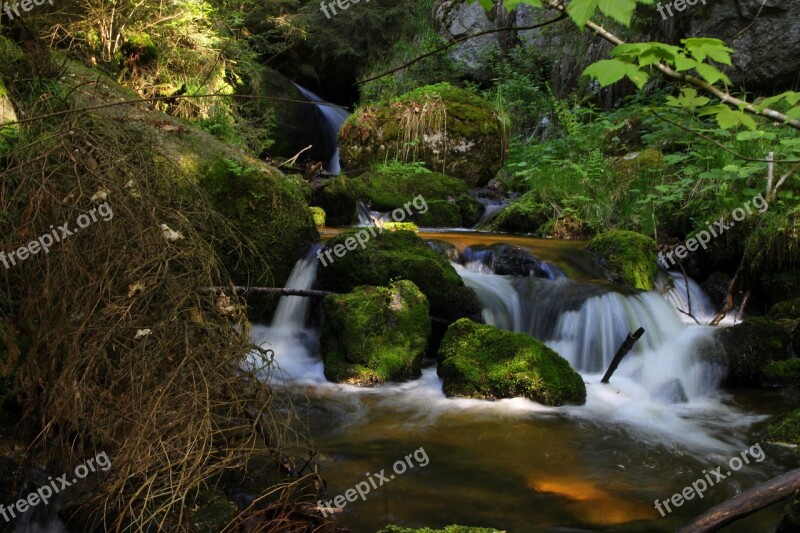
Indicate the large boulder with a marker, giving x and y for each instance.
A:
(398, 255)
(375, 334)
(753, 346)
(480, 361)
(626, 258)
(441, 201)
(452, 130)
(527, 214)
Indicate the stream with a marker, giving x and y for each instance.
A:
(519, 466)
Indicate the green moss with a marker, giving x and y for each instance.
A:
(789, 310)
(750, 347)
(626, 258)
(644, 164)
(392, 186)
(399, 255)
(480, 361)
(450, 129)
(267, 209)
(446, 529)
(785, 429)
(375, 334)
(140, 46)
(440, 214)
(527, 214)
(319, 216)
(338, 197)
(400, 226)
(783, 372)
(790, 523)
(471, 210)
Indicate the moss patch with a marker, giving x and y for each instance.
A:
(400, 255)
(783, 372)
(446, 529)
(527, 214)
(750, 347)
(785, 429)
(626, 258)
(318, 214)
(480, 361)
(375, 334)
(338, 198)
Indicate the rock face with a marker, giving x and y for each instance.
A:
(751, 347)
(753, 32)
(401, 254)
(452, 130)
(375, 334)
(626, 258)
(479, 361)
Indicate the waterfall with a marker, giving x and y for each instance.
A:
(586, 324)
(334, 116)
(289, 335)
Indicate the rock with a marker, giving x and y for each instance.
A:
(626, 258)
(452, 130)
(338, 197)
(716, 286)
(480, 361)
(751, 31)
(440, 214)
(527, 214)
(750, 347)
(671, 392)
(790, 523)
(445, 249)
(375, 334)
(401, 254)
(471, 210)
(783, 372)
(508, 260)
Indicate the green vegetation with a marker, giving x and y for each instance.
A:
(626, 258)
(446, 529)
(401, 254)
(375, 334)
(750, 347)
(318, 214)
(785, 429)
(479, 361)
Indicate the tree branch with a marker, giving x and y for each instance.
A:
(458, 41)
(723, 96)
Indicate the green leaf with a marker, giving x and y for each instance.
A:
(610, 71)
(619, 10)
(793, 114)
(704, 47)
(711, 74)
(582, 10)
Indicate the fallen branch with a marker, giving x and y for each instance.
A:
(746, 503)
(623, 350)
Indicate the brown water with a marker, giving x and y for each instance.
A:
(518, 466)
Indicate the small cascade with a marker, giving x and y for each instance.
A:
(367, 217)
(686, 296)
(334, 116)
(288, 334)
(492, 207)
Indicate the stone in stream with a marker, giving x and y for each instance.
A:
(480, 361)
(375, 334)
(626, 258)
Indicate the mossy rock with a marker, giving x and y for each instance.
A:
(399, 255)
(527, 214)
(788, 310)
(480, 361)
(338, 197)
(645, 163)
(783, 372)
(269, 210)
(452, 130)
(401, 226)
(785, 429)
(440, 214)
(139, 46)
(790, 523)
(318, 214)
(446, 529)
(750, 347)
(471, 210)
(375, 334)
(626, 258)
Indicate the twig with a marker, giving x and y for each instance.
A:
(293, 160)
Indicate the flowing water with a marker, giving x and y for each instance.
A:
(333, 118)
(517, 465)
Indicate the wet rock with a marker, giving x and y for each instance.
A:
(446, 250)
(750, 347)
(671, 392)
(480, 361)
(626, 258)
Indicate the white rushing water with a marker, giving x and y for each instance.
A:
(334, 116)
(665, 390)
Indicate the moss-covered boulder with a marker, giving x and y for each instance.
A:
(265, 207)
(318, 214)
(375, 334)
(527, 214)
(398, 255)
(790, 523)
(785, 429)
(626, 258)
(434, 199)
(338, 197)
(750, 347)
(783, 372)
(480, 361)
(452, 130)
